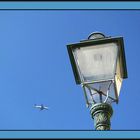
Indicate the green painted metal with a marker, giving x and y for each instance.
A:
(86, 43)
(101, 113)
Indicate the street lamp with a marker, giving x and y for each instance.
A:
(99, 65)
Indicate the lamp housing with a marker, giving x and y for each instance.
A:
(99, 65)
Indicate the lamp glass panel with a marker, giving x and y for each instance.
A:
(118, 76)
(103, 87)
(97, 92)
(96, 62)
(89, 97)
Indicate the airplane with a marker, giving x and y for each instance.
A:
(41, 107)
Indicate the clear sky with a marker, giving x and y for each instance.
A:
(35, 68)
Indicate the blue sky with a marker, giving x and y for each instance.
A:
(35, 68)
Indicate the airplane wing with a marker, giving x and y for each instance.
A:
(37, 106)
(45, 107)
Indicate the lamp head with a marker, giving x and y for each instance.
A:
(99, 66)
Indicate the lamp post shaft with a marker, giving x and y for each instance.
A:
(101, 113)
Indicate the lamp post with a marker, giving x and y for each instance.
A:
(99, 65)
